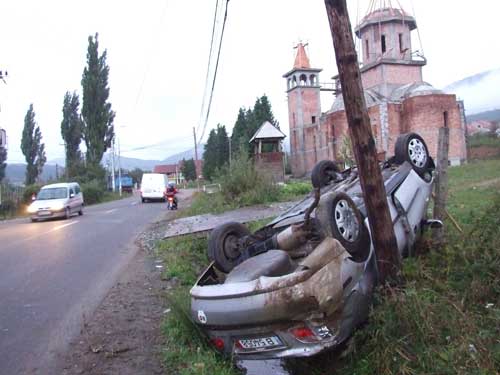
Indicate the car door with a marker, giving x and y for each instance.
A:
(72, 199)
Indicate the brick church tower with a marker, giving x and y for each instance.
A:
(397, 98)
(304, 110)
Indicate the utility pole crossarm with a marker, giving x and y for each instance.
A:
(365, 152)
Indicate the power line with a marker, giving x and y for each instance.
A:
(208, 66)
(215, 74)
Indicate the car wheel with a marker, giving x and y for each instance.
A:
(80, 213)
(33, 220)
(340, 218)
(143, 200)
(323, 173)
(223, 246)
(411, 147)
(67, 213)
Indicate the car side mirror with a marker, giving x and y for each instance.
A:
(72, 195)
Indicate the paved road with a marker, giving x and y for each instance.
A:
(54, 273)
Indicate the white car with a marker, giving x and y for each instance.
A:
(153, 187)
(57, 200)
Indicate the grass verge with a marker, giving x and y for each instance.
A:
(444, 319)
(217, 203)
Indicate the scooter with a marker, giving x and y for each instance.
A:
(171, 203)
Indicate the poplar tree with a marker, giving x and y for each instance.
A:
(97, 127)
(3, 164)
(32, 147)
(71, 132)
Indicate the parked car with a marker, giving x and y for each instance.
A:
(153, 187)
(57, 200)
(301, 284)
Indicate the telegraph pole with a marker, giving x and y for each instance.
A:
(119, 169)
(196, 159)
(382, 231)
(113, 186)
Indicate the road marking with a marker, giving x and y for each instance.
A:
(63, 225)
(110, 211)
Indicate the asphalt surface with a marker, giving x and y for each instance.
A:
(54, 274)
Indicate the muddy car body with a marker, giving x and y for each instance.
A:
(302, 283)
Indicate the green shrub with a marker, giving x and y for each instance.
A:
(93, 192)
(243, 184)
(29, 191)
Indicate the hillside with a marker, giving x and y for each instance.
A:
(479, 92)
(486, 116)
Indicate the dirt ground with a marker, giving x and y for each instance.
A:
(123, 336)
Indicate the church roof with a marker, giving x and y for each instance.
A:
(384, 15)
(371, 98)
(301, 59)
(267, 131)
(413, 89)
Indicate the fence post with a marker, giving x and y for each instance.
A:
(441, 183)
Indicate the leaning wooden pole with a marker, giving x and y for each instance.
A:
(365, 152)
(441, 183)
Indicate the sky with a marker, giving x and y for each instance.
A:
(158, 51)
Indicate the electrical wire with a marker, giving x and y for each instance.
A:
(215, 75)
(208, 67)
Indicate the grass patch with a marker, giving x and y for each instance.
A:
(186, 350)
(484, 140)
(444, 319)
(217, 203)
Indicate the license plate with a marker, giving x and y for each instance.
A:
(44, 213)
(261, 342)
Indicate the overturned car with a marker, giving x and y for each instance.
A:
(302, 283)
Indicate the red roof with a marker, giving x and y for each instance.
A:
(166, 168)
(301, 60)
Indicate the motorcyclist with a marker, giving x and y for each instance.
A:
(171, 192)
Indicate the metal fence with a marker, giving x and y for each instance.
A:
(11, 199)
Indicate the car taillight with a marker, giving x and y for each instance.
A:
(218, 343)
(304, 334)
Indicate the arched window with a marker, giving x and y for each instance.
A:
(312, 80)
(303, 80)
(288, 83)
(294, 82)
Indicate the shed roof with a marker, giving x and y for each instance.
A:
(267, 131)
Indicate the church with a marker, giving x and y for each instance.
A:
(398, 99)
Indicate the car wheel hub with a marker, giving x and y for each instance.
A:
(231, 248)
(346, 220)
(417, 153)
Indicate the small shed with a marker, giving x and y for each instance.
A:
(268, 151)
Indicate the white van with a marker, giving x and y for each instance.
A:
(153, 186)
(57, 200)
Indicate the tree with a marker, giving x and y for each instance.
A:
(136, 175)
(98, 130)
(216, 152)
(3, 164)
(188, 169)
(32, 147)
(71, 132)
(239, 134)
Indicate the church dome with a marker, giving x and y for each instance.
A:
(413, 89)
(371, 98)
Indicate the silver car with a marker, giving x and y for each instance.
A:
(57, 200)
(301, 284)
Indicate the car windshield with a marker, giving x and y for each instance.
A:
(52, 193)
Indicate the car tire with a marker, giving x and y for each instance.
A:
(67, 213)
(80, 213)
(33, 220)
(411, 147)
(323, 173)
(143, 200)
(222, 245)
(341, 219)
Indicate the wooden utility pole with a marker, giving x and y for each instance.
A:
(196, 159)
(365, 152)
(441, 183)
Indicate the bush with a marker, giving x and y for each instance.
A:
(93, 192)
(29, 191)
(243, 184)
